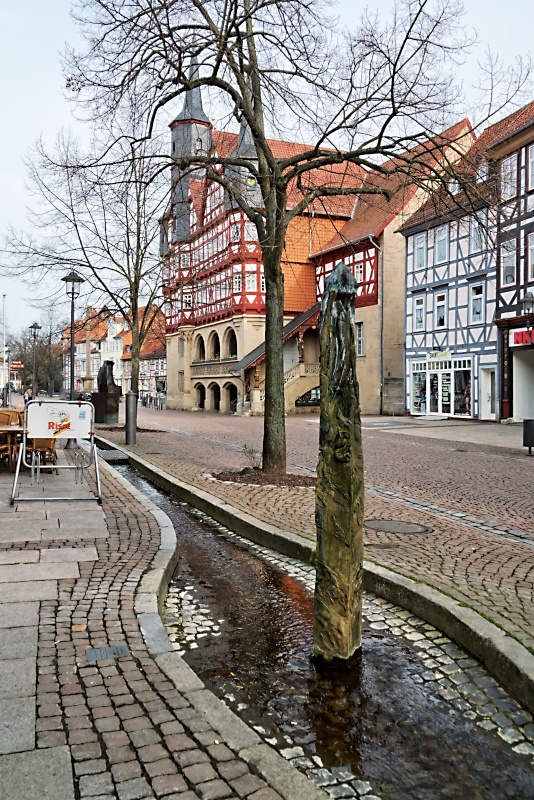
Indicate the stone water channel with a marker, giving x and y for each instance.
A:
(413, 717)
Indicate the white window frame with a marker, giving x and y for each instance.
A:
(441, 237)
(251, 283)
(438, 305)
(482, 173)
(453, 186)
(420, 249)
(477, 300)
(359, 337)
(530, 256)
(508, 255)
(419, 303)
(509, 177)
(477, 231)
(531, 167)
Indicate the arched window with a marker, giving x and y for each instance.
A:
(200, 349)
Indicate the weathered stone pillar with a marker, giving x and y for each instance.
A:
(340, 488)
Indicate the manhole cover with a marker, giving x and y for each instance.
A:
(99, 653)
(395, 526)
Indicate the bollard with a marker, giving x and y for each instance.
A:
(131, 417)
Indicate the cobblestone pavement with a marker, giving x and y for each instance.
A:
(120, 723)
(475, 498)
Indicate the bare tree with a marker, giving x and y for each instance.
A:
(282, 67)
(100, 219)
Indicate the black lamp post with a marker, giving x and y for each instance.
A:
(73, 282)
(34, 329)
(527, 307)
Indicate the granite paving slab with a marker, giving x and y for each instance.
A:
(37, 572)
(17, 678)
(19, 615)
(28, 534)
(18, 642)
(19, 556)
(40, 774)
(17, 731)
(66, 554)
(67, 534)
(27, 590)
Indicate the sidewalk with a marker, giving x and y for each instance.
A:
(130, 722)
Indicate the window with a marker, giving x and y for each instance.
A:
(419, 250)
(359, 339)
(508, 261)
(477, 227)
(441, 244)
(237, 284)
(199, 147)
(482, 173)
(419, 314)
(453, 186)
(250, 232)
(531, 167)
(509, 177)
(531, 257)
(235, 233)
(262, 283)
(476, 303)
(440, 310)
(250, 282)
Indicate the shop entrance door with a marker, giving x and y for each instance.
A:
(440, 393)
(487, 394)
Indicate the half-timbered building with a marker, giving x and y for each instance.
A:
(463, 256)
(512, 159)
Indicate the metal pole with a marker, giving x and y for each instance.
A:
(4, 342)
(131, 417)
(34, 373)
(72, 344)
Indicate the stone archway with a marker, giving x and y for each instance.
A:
(214, 346)
(201, 396)
(230, 344)
(199, 349)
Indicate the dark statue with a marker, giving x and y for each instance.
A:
(106, 400)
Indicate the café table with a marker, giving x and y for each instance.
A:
(13, 433)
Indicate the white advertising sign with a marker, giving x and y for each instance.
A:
(59, 419)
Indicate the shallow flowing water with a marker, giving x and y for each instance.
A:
(412, 717)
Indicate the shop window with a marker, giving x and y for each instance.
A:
(531, 256)
(462, 392)
(509, 177)
(419, 392)
(419, 249)
(440, 310)
(508, 262)
(441, 244)
(419, 314)
(476, 303)
(360, 349)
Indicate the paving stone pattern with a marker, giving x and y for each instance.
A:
(477, 500)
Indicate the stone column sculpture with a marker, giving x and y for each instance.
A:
(340, 487)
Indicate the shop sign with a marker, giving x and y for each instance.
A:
(59, 419)
(520, 336)
(435, 354)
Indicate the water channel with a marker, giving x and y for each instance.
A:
(412, 717)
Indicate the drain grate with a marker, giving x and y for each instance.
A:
(113, 456)
(395, 526)
(100, 653)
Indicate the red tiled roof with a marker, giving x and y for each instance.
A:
(374, 211)
(441, 204)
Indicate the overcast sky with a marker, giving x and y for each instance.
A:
(32, 35)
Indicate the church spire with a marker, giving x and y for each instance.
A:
(192, 108)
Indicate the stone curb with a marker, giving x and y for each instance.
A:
(149, 600)
(505, 657)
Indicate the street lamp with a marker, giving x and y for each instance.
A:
(526, 304)
(73, 282)
(7, 355)
(34, 328)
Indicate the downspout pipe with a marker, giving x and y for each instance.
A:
(374, 242)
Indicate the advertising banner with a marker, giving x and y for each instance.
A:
(59, 419)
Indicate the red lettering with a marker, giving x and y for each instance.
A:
(521, 337)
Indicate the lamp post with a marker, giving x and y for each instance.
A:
(73, 282)
(7, 356)
(34, 328)
(527, 306)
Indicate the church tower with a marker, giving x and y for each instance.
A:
(191, 134)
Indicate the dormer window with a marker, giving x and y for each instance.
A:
(199, 147)
(482, 173)
(454, 186)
